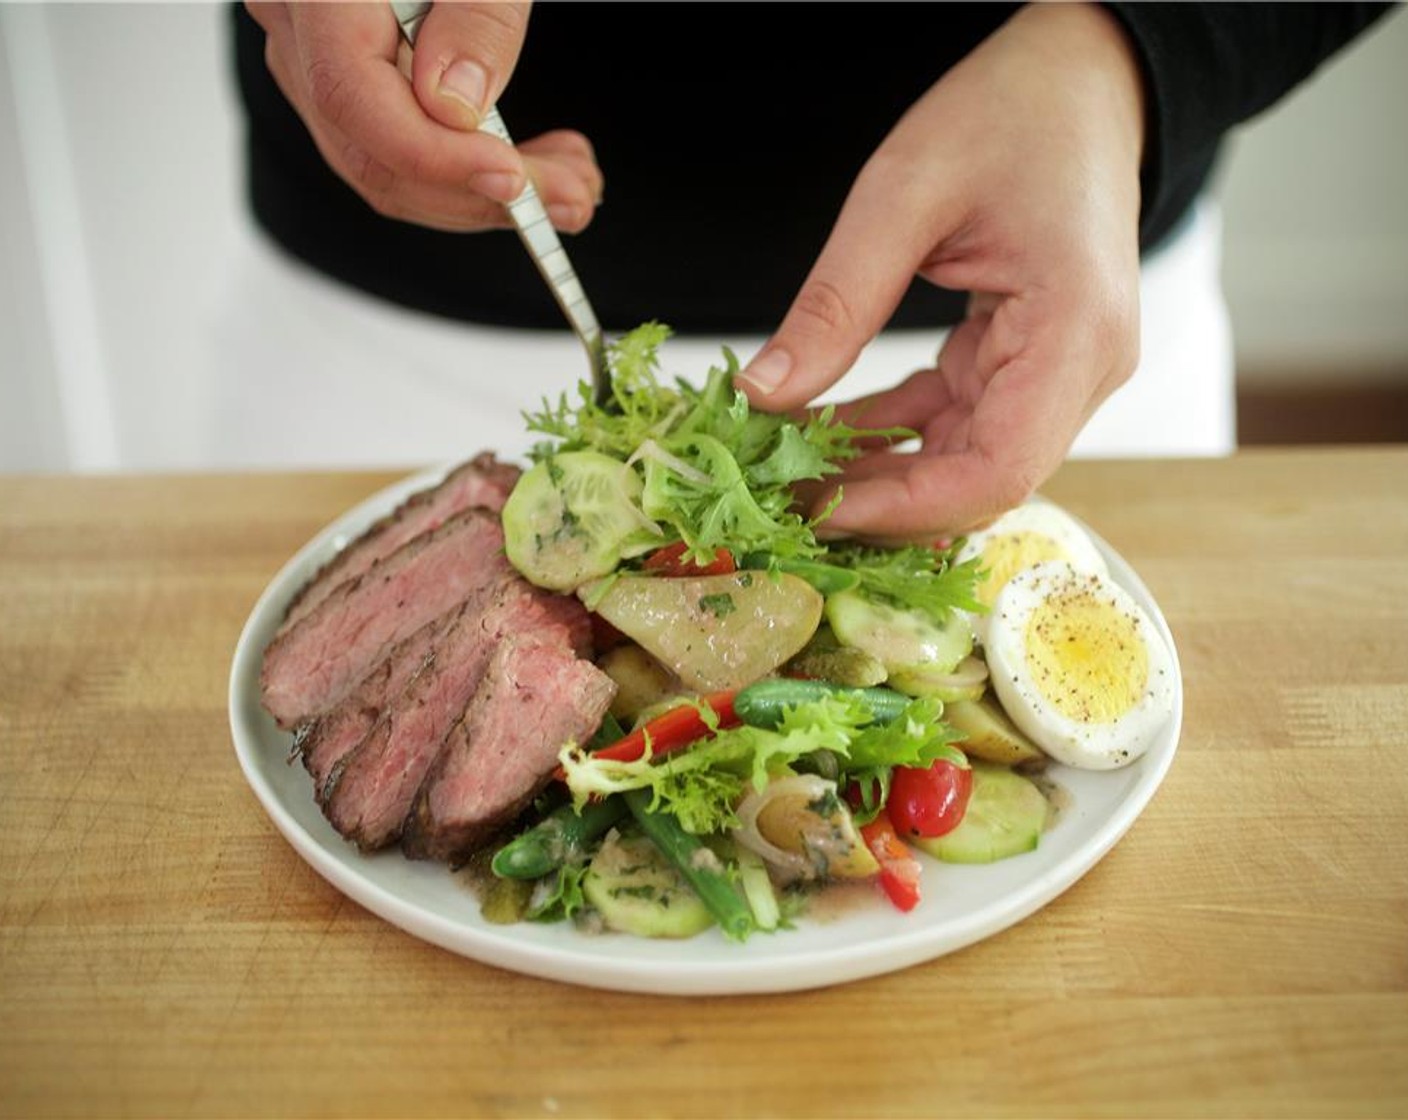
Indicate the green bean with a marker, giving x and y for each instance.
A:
(761, 704)
(559, 837)
(696, 864)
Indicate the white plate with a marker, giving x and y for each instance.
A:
(961, 904)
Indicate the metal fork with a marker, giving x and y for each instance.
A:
(535, 230)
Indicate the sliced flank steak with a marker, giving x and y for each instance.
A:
(483, 481)
(371, 789)
(325, 655)
(535, 697)
(326, 739)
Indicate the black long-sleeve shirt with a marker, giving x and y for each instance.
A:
(729, 135)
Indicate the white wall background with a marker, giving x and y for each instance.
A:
(1315, 193)
(120, 201)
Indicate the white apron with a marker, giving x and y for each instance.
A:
(310, 373)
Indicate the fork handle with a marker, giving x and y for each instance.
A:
(536, 230)
(534, 227)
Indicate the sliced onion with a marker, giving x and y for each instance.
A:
(967, 681)
(823, 845)
(804, 787)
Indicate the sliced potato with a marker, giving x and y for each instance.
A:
(641, 681)
(714, 632)
(990, 734)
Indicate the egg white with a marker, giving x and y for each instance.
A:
(1079, 666)
(1021, 538)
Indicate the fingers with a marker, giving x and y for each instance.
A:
(997, 417)
(894, 215)
(464, 56)
(951, 488)
(564, 171)
(409, 148)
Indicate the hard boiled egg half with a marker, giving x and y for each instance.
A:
(1079, 666)
(1022, 537)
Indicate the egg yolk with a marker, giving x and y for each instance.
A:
(1006, 555)
(1086, 656)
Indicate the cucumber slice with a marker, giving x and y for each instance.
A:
(899, 639)
(1006, 816)
(637, 890)
(573, 517)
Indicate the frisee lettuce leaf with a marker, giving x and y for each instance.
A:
(700, 786)
(716, 474)
(558, 895)
(913, 578)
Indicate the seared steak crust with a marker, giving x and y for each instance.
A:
(483, 481)
(536, 696)
(371, 788)
(321, 658)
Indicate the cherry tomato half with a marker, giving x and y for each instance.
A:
(929, 801)
(671, 562)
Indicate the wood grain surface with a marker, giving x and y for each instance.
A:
(1243, 951)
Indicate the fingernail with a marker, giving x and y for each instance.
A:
(768, 370)
(466, 83)
(501, 186)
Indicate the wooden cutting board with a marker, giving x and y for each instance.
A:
(1243, 951)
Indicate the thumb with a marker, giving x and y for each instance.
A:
(464, 56)
(884, 233)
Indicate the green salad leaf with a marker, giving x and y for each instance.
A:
(714, 473)
(701, 786)
(558, 896)
(913, 578)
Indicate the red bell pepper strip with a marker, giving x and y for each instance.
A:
(674, 729)
(899, 870)
(671, 562)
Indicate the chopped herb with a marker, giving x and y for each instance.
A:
(720, 605)
(826, 806)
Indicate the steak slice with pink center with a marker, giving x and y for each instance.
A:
(331, 650)
(370, 791)
(326, 739)
(483, 481)
(536, 696)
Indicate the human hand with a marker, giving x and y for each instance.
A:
(410, 148)
(1016, 178)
